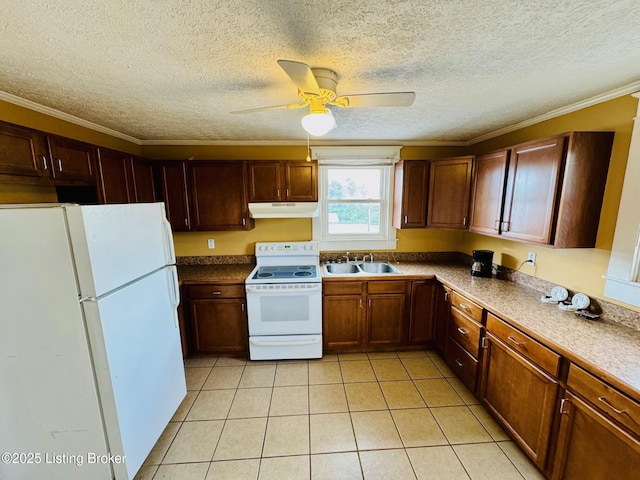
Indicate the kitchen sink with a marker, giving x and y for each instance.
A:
(369, 268)
(341, 268)
(378, 267)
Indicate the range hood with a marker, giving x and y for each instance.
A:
(283, 210)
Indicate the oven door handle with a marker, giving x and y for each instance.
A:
(258, 343)
(266, 291)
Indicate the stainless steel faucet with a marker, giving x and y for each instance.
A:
(364, 258)
(347, 256)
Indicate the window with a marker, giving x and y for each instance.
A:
(355, 193)
(623, 276)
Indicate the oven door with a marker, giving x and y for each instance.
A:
(284, 309)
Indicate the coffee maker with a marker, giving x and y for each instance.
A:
(482, 261)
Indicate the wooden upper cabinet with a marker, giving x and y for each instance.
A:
(23, 152)
(265, 181)
(449, 186)
(217, 191)
(410, 194)
(532, 182)
(114, 177)
(555, 188)
(71, 160)
(277, 181)
(301, 181)
(487, 196)
(143, 181)
(173, 179)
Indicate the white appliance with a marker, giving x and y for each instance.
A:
(91, 366)
(284, 302)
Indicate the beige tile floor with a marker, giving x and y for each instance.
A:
(397, 415)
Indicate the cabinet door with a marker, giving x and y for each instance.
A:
(143, 183)
(173, 177)
(386, 319)
(115, 175)
(488, 192)
(521, 396)
(342, 321)
(265, 181)
(410, 195)
(443, 306)
(421, 316)
(532, 185)
(301, 181)
(219, 326)
(23, 152)
(218, 196)
(72, 160)
(591, 446)
(449, 187)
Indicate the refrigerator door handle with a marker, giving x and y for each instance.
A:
(174, 292)
(168, 242)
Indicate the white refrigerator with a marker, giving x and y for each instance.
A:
(91, 366)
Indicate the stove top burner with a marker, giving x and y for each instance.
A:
(282, 273)
(302, 274)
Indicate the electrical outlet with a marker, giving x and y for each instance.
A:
(211, 244)
(531, 258)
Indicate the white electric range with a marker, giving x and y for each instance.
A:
(284, 302)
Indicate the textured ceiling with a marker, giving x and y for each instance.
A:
(174, 69)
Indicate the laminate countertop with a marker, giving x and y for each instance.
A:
(608, 349)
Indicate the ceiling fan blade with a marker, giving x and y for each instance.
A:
(301, 75)
(275, 107)
(395, 99)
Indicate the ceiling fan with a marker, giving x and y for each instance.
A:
(317, 89)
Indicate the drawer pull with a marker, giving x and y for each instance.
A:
(217, 292)
(521, 345)
(459, 363)
(465, 307)
(606, 402)
(462, 331)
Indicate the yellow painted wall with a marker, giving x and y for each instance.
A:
(16, 193)
(576, 269)
(39, 121)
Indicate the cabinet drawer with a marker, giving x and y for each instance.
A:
(216, 291)
(465, 331)
(467, 306)
(606, 399)
(342, 288)
(462, 364)
(387, 287)
(525, 345)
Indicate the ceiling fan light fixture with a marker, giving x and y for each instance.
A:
(318, 123)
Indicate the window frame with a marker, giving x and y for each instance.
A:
(356, 157)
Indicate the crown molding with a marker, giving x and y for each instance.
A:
(337, 143)
(52, 112)
(630, 89)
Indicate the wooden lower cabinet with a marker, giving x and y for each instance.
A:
(520, 395)
(364, 315)
(386, 319)
(442, 307)
(342, 322)
(592, 447)
(422, 312)
(217, 320)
